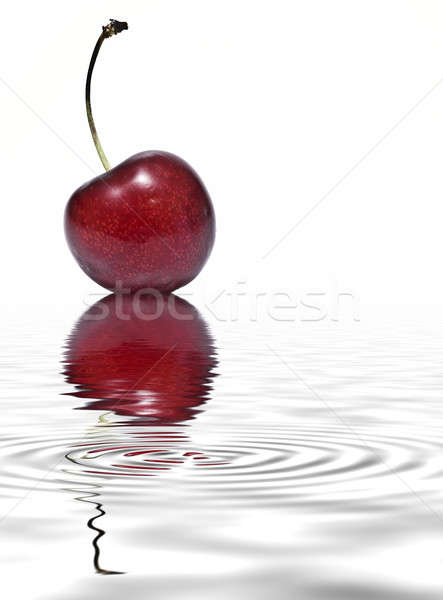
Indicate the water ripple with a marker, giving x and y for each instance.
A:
(218, 452)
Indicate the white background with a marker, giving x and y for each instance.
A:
(273, 103)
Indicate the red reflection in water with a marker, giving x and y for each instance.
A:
(146, 357)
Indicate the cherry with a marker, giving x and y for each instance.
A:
(147, 357)
(146, 223)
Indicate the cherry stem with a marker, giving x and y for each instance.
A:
(109, 30)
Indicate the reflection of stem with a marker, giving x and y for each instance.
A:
(100, 533)
(103, 418)
(103, 421)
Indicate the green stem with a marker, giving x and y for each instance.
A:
(109, 30)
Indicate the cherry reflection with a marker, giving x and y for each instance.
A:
(150, 358)
(146, 363)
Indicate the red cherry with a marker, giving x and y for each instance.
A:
(146, 223)
(146, 357)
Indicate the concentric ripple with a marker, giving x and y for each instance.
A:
(148, 456)
(261, 463)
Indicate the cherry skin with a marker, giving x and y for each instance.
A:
(146, 223)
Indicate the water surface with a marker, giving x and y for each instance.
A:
(186, 458)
